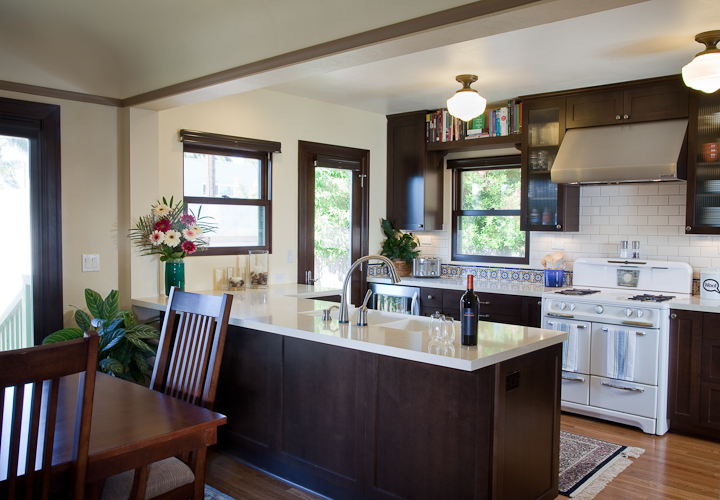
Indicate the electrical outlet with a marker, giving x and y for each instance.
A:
(558, 245)
(289, 256)
(280, 278)
(425, 241)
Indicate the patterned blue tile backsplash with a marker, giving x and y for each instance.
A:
(489, 274)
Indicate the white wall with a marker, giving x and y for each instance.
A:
(273, 116)
(89, 176)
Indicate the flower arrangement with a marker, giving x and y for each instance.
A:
(170, 232)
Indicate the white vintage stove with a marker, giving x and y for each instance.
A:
(606, 373)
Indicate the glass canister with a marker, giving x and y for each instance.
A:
(220, 281)
(237, 276)
(258, 263)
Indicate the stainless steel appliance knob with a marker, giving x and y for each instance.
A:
(572, 307)
(628, 312)
(639, 313)
(563, 306)
(599, 309)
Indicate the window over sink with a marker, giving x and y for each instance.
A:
(229, 179)
(486, 211)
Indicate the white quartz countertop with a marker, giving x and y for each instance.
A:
(510, 288)
(291, 310)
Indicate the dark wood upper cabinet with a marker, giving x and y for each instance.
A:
(414, 176)
(545, 206)
(644, 102)
(703, 168)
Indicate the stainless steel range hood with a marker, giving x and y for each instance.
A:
(639, 152)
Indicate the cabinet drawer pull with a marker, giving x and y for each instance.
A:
(483, 315)
(574, 379)
(430, 297)
(617, 117)
(626, 117)
(484, 303)
(632, 389)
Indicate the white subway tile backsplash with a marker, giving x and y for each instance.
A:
(652, 214)
(647, 189)
(647, 210)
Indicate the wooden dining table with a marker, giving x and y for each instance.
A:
(132, 426)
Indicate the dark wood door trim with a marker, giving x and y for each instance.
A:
(41, 123)
(307, 152)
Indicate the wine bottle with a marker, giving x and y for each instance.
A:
(469, 314)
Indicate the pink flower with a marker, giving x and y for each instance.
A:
(157, 238)
(163, 225)
(188, 247)
(187, 219)
(189, 234)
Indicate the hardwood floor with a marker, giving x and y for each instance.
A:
(673, 467)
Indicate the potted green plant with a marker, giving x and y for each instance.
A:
(399, 247)
(124, 344)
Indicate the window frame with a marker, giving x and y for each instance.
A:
(474, 164)
(215, 144)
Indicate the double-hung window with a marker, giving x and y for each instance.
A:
(486, 211)
(230, 178)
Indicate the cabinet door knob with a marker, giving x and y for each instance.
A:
(540, 302)
(688, 228)
(559, 226)
(673, 316)
(483, 315)
(626, 117)
(430, 297)
(617, 117)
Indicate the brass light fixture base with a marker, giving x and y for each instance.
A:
(709, 38)
(466, 80)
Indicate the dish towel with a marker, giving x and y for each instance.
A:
(621, 354)
(569, 350)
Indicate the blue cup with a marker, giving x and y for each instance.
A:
(554, 277)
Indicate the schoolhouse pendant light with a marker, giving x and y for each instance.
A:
(703, 72)
(466, 104)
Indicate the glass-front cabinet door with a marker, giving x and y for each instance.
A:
(703, 188)
(547, 206)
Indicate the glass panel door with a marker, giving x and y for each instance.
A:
(333, 223)
(15, 258)
(707, 162)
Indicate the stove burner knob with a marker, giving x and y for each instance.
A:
(639, 313)
(628, 312)
(599, 309)
(572, 307)
(563, 306)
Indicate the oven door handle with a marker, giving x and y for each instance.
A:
(632, 389)
(558, 315)
(579, 327)
(642, 334)
(574, 379)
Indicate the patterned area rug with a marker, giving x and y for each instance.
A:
(588, 465)
(213, 494)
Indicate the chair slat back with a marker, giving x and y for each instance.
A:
(29, 383)
(191, 346)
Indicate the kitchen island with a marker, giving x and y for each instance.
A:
(381, 412)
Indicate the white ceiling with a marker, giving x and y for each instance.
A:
(122, 49)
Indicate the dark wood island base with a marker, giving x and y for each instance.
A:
(350, 424)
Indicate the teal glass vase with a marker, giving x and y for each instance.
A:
(174, 275)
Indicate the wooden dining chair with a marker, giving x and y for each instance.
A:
(29, 382)
(187, 367)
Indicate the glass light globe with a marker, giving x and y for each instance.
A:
(703, 72)
(466, 104)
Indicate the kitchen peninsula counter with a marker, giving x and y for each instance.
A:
(379, 412)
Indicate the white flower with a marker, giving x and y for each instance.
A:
(189, 234)
(196, 229)
(157, 238)
(172, 238)
(161, 209)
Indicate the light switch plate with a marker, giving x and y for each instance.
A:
(558, 245)
(90, 263)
